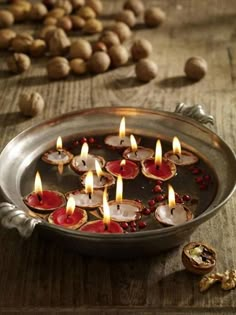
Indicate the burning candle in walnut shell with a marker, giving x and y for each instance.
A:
(127, 169)
(137, 153)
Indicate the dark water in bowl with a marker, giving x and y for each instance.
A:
(139, 188)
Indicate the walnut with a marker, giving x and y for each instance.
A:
(18, 63)
(228, 281)
(56, 13)
(46, 32)
(86, 13)
(96, 5)
(22, 42)
(122, 30)
(50, 21)
(127, 17)
(38, 48)
(195, 68)
(80, 48)
(6, 36)
(59, 43)
(6, 18)
(77, 22)
(93, 26)
(207, 281)
(119, 55)
(65, 5)
(19, 12)
(65, 23)
(31, 104)
(58, 68)
(99, 62)
(140, 49)
(109, 38)
(25, 4)
(77, 4)
(134, 5)
(146, 70)
(154, 17)
(38, 11)
(78, 66)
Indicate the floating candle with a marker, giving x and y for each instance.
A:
(70, 217)
(158, 168)
(43, 200)
(137, 153)
(105, 226)
(85, 162)
(179, 156)
(172, 213)
(59, 156)
(127, 169)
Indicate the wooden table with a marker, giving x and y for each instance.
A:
(36, 275)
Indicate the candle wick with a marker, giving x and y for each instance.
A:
(84, 163)
(105, 227)
(178, 156)
(90, 195)
(118, 207)
(121, 168)
(121, 141)
(157, 167)
(101, 178)
(136, 153)
(59, 152)
(172, 211)
(40, 199)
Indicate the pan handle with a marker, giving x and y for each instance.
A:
(196, 112)
(12, 217)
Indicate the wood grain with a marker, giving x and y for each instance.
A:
(38, 276)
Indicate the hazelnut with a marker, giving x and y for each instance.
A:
(56, 13)
(154, 17)
(46, 32)
(86, 13)
(122, 30)
(99, 46)
(80, 48)
(50, 21)
(18, 63)
(146, 70)
(93, 26)
(65, 23)
(58, 68)
(6, 36)
(22, 42)
(65, 5)
(119, 55)
(38, 48)
(99, 62)
(38, 11)
(78, 66)
(198, 258)
(96, 5)
(127, 17)
(195, 68)
(140, 49)
(77, 22)
(77, 4)
(58, 43)
(19, 12)
(109, 38)
(134, 5)
(6, 18)
(31, 104)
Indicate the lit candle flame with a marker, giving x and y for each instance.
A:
(158, 153)
(122, 163)
(119, 189)
(176, 146)
(84, 151)
(133, 142)
(106, 209)
(122, 128)
(98, 169)
(70, 206)
(59, 143)
(89, 183)
(171, 197)
(38, 185)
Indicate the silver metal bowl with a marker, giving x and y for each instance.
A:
(20, 155)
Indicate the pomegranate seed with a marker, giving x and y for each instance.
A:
(83, 140)
(203, 186)
(146, 211)
(124, 225)
(151, 202)
(179, 200)
(207, 178)
(160, 198)
(133, 229)
(176, 195)
(91, 140)
(152, 209)
(142, 224)
(199, 180)
(159, 182)
(157, 189)
(133, 224)
(186, 198)
(196, 171)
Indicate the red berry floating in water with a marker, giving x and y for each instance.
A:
(142, 224)
(124, 225)
(91, 140)
(151, 202)
(199, 180)
(203, 187)
(146, 211)
(157, 189)
(207, 178)
(196, 171)
(83, 140)
(186, 198)
(159, 182)
(160, 198)
(133, 224)
(133, 229)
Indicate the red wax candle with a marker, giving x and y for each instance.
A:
(72, 221)
(99, 227)
(46, 201)
(163, 172)
(128, 171)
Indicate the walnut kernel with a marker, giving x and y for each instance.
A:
(31, 104)
(18, 63)
(58, 68)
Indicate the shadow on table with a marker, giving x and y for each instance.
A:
(11, 118)
(5, 74)
(175, 82)
(34, 80)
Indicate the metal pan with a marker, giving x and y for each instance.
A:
(21, 157)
